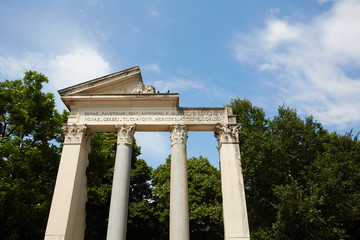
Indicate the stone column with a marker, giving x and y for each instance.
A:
(232, 185)
(121, 182)
(67, 212)
(179, 204)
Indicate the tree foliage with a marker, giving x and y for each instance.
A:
(30, 133)
(301, 181)
(149, 204)
(204, 199)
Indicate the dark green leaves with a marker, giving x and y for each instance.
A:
(204, 199)
(301, 181)
(30, 139)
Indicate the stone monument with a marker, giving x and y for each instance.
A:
(121, 103)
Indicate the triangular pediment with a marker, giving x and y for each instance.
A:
(124, 89)
(128, 81)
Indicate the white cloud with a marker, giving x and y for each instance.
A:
(155, 146)
(177, 84)
(94, 2)
(273, 11)
(153, 12)
(311, 61)
(194, 86)
(152, 67)
(278, 32)
(64, 70)
(12, 67)
(79, 65)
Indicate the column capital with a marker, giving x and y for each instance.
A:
(228, 133)
(77, 134)
(178, 134)
(125, 134)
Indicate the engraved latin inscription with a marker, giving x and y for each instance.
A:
(210, 116)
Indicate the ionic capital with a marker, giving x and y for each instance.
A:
(178, 134)
(228, 133)
(125, 134)
(77, 134)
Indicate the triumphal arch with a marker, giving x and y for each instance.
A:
(121, 103)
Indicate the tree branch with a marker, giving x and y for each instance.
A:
(12, 131)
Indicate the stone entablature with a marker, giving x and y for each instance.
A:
(147, 119)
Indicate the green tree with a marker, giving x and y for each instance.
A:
(204, 199)
(142, 223)
(328, 204)
(301, 182)
(30, 137)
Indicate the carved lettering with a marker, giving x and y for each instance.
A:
(207, 116)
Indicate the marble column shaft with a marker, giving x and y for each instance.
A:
(67, 212)
(232, 185)
(117, 224)
(179, 204)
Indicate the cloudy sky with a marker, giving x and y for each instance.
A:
(305, 54)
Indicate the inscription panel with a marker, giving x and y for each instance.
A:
(183, 116)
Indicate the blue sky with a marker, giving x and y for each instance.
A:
(305, 54)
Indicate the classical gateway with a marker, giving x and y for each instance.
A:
(121, 103)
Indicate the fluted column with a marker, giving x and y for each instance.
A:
(121, 182)
(232, 184)
(67, 212)
(179, 203)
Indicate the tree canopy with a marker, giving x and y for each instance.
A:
(30, 137)
(204, 199)
(301, 181)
